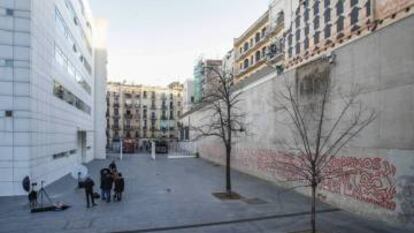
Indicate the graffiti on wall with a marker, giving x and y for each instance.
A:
(370, 179)
(366, 179)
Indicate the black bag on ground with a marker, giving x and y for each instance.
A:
(96, 195)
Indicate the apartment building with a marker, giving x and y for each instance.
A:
(260, 45)
(47, 90)
(320, 26)
(142, 113)
(203, 75)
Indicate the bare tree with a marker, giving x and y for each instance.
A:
(321, 120)
(225, 118)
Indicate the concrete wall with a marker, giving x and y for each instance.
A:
(382, 156)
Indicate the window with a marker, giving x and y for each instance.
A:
(327, 3)
(307, 30)
(145, 94)
(327, 15)
(290, 51)
(290, 39)
(297, 48)
(306, 43)
(59, 22)
(258, 56)
(339, 8)
(60, 57)
(316, 23)
(298, 35)
(264, 32)
(368, 8)
(354, 2)
(316, 37)
(62, 93)
(6, 63)
(246, 63)
(340, 24)
(71, 70)
(327, 31)
(354, 15)
(257, 37)
(297, 21)
(10, 12)
(306, 14)
(264, 51)
(316, 8)
(246, 46)
(60, 155)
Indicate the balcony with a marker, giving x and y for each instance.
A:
(116, 104)
(153, 107)
(115, 127)
(128, 116)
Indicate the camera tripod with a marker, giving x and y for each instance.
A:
(42, 194)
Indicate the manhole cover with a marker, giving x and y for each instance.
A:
(254, 201)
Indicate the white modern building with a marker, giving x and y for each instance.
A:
(100, 87)
(47, 90)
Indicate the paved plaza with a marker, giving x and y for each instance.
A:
(174, 195)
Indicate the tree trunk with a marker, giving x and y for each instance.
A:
(313, 208)
(228, 175)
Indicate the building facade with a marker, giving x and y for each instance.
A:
(47, 88)
(262, 39)
(140, 113)
(203, 76)
(188, 95)
(320, 26)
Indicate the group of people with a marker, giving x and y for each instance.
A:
(110, 179)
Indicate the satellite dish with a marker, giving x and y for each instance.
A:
(79, 171)
(26, 184)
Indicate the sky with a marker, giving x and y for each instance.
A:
(156, 42)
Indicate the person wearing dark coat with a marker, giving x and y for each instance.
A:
(89, 192)
(119, 187)
(103, 173)
(107, 186)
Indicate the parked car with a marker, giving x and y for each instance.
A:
(161, 147)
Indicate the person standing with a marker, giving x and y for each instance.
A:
(119, 187)
(103, 173)
(89, 192)
(112, 166)
(107, 186)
